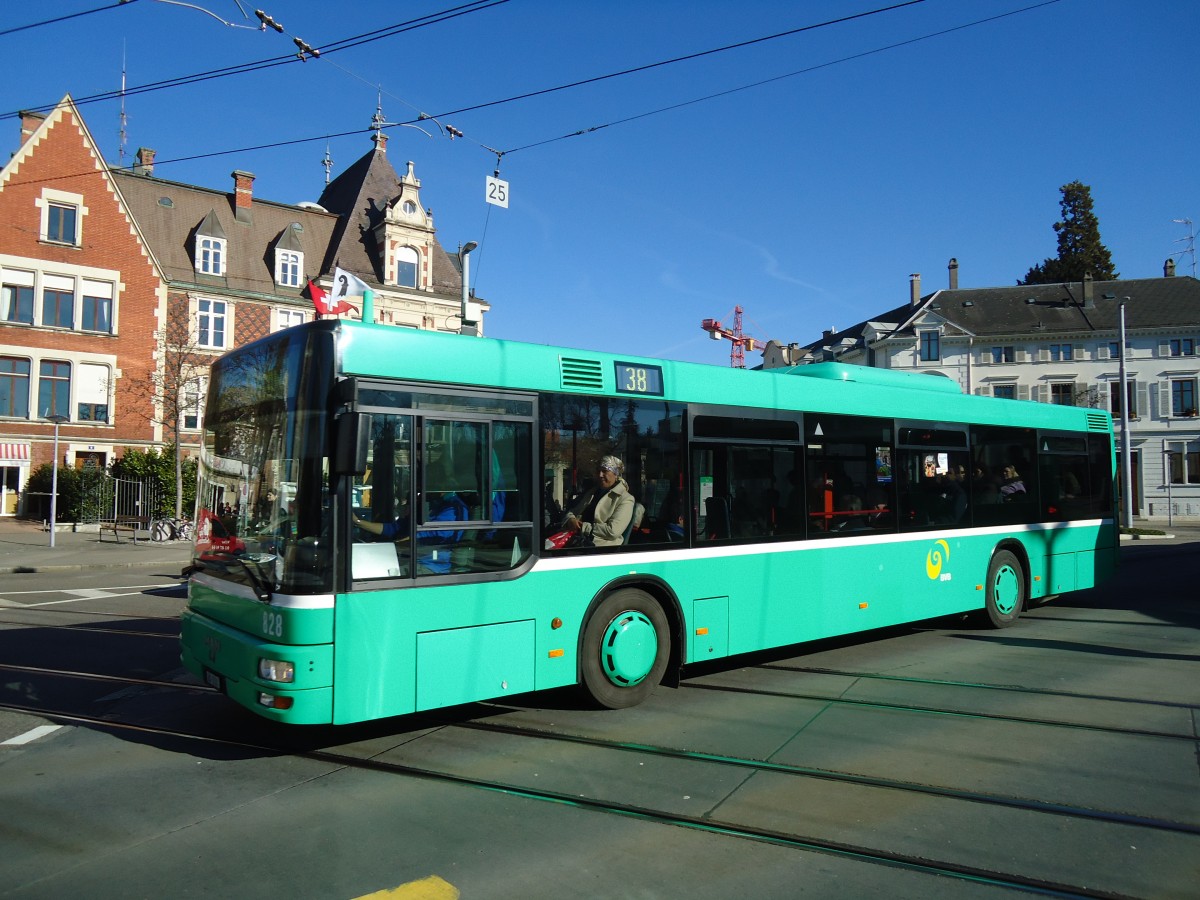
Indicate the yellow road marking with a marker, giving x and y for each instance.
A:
(431, 888)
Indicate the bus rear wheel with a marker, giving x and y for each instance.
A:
(1005, 588)
(626, 646)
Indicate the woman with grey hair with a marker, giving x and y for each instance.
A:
(609, 510)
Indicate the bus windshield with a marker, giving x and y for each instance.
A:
(263, 482)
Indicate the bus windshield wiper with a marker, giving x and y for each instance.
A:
(263, 586)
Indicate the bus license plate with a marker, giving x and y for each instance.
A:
(214, 680)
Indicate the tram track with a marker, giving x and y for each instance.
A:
(811, 843)
(945, 711)
(92, 629)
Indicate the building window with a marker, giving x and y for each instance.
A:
(58, 301)
(1002, 354)
(288, 264)
(91, 392)
(1183, 464)
(54, 389)
(286, 318)
(1114, 398)
(16, 302)
(210, 321)
(1183, 397)
(931, 346)
(406, 267)
(192, 407)
(210, 256)
(61, 223)
(14, 387)
(1183, 346)
(1005, 391)
(1060, 353)
(95, 308)
(1062, 393)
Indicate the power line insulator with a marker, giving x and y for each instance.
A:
(267, 21)
(453, 132)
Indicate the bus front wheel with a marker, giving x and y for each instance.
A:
(626, 646)
(1005, 589)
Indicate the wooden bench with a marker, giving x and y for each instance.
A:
(131, 524)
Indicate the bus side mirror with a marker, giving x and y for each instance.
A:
(351, 440)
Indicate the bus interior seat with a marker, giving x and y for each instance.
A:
(717, 524)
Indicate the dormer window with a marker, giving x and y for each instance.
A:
(211, 246)
(288, 264)
(210, 256)
(407, 261)
(930, 346)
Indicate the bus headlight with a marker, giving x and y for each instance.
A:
(276, 670)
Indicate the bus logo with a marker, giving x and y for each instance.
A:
(938, 556)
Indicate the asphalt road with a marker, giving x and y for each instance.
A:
(1056, 757)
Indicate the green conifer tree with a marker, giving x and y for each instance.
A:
(1079, 247)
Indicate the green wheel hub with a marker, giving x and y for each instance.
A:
(1006, 590)
(629, 648)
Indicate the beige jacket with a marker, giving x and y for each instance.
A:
(614, 512)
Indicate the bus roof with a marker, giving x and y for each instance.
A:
(386, 351)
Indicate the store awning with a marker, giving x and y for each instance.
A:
(14, 453)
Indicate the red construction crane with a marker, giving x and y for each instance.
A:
(741, 342)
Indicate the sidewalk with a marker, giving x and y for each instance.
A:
(25, 547)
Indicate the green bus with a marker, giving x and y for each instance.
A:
(380, 522)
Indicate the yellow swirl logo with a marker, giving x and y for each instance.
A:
(936, 558)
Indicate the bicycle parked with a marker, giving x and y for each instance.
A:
(162, 530)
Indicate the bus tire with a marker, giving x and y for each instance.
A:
(626, 648)
(1005, 589)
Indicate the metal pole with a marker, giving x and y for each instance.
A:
(54, 484)
(465, 265)
(1126, 455)
(1167, 472)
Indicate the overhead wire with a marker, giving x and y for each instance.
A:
(64, 18)
(272, 62)
(592, 129)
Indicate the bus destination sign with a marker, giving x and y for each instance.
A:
(637, 378)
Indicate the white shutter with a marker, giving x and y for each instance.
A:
(1164, 399)
(1022, 355)
(1043, 354)
(58, 283)
(1102, 351)
(1077, 352)
(1141, 399)
(1022, 392)
(1164, 349)
(984, 356)
(981, 391)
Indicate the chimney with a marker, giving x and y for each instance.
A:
(953, 273)
(30, 121)
(144, 164)
(914, 288)
(243, 194)
(828, 333)
(1089, 296)
(1169, 268)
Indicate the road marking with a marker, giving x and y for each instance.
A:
(431, 888)
(31, 735)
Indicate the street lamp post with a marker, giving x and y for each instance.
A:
(57, 419)
(1126, 455)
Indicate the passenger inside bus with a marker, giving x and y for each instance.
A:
(606, 514)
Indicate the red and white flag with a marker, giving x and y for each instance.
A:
(323, 304)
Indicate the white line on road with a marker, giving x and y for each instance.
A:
(31, 735)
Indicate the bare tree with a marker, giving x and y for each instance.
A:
(174, 390)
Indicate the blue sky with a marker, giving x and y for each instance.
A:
(808, 200)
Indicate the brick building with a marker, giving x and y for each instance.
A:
(118, 288)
